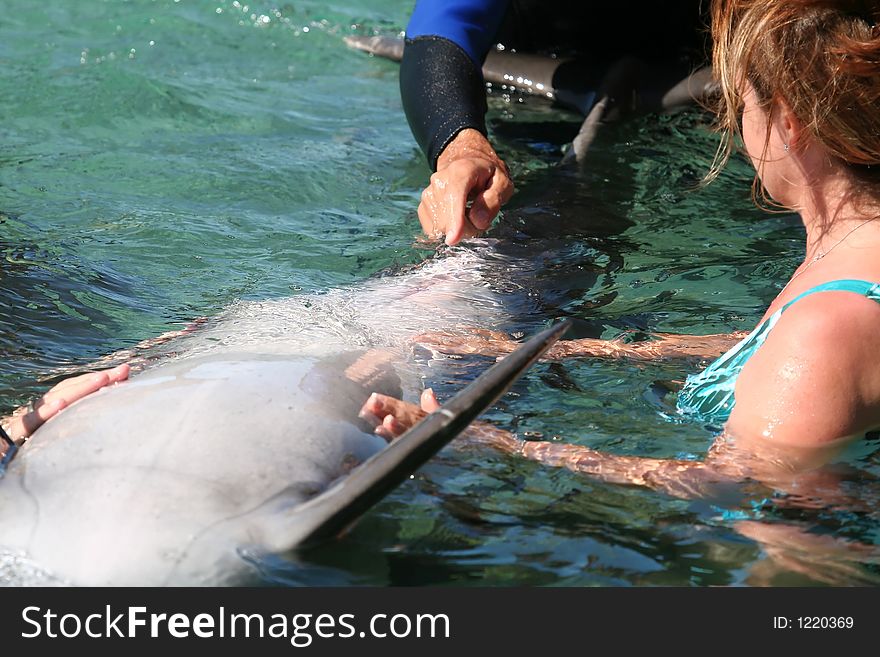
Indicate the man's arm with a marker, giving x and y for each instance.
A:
(444, 99)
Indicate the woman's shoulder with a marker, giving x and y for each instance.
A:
(823, 316)
(838, 329)
(818, 372)
(826, 312)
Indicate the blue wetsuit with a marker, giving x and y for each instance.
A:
(709, 395)
(447, 41)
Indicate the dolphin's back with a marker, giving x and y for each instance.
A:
(234, 432)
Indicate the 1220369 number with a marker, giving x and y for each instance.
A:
(825, 622)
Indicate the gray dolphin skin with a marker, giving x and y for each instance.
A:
(236, 446)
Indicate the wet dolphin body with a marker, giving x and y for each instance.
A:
(226, 449)
(167, 478)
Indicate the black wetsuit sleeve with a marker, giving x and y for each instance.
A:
(442, 91)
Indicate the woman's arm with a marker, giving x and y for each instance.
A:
(27, 419)
(812, 386)
(393, 417)
(662, 346)
(730, 461)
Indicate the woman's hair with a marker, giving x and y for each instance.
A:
(820, 57)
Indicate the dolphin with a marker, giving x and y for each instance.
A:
(242, 438)
(602, 94)
(246, 440)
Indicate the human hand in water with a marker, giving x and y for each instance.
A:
(468, 169)
(394, 417)
(24, 421)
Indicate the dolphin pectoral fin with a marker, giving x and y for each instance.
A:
(587, 132)
(617, 97)
(331, 513)
(698, 87)
(630, 88)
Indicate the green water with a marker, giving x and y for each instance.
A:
(163, 159)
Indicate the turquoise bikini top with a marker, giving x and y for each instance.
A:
(708, 396)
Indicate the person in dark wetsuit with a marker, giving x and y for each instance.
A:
(444, 95)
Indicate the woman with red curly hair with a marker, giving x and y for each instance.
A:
(800, 86)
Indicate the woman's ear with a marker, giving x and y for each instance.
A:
(787, 125)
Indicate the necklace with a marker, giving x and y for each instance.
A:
(821, 254)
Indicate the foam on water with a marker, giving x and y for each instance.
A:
(470, 286)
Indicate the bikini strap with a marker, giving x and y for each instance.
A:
(865, 288)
